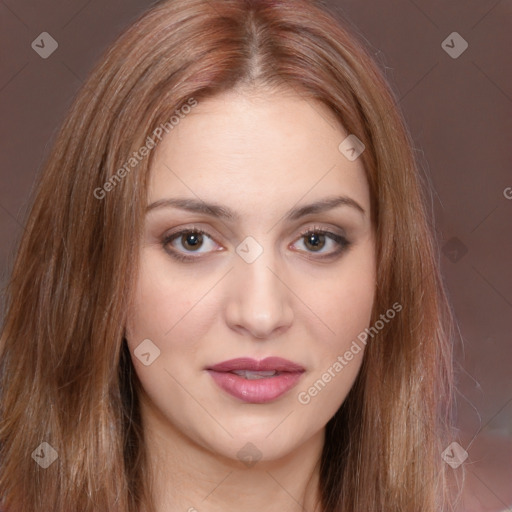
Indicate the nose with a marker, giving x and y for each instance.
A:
(258, 300)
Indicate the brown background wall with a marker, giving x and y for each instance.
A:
(459, 112)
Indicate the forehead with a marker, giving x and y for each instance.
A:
(254, 151)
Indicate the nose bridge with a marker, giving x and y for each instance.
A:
(258, 300)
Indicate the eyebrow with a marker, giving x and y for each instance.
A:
(216, 210)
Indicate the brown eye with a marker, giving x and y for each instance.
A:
(322, 242)
(314, 241)
(182, 244)
(192, 240)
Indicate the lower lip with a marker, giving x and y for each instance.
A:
(256, 391)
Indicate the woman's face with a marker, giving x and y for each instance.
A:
(254, 173)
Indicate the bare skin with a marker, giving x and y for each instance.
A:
(260, 155)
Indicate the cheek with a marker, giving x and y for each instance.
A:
(351, 309)
(344, 302)
(164, 301)
(348, 303)
(168, 311)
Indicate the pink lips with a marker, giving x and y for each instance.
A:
(259, 390)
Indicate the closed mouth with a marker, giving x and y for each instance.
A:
(253, 369)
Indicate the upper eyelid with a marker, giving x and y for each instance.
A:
(176, 234)
(316, 228)
(205, 231)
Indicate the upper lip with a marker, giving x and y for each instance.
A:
(246, 363)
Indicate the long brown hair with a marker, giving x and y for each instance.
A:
(66, 377)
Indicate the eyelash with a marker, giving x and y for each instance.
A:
(340, 240)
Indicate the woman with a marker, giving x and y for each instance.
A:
(227, 293)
